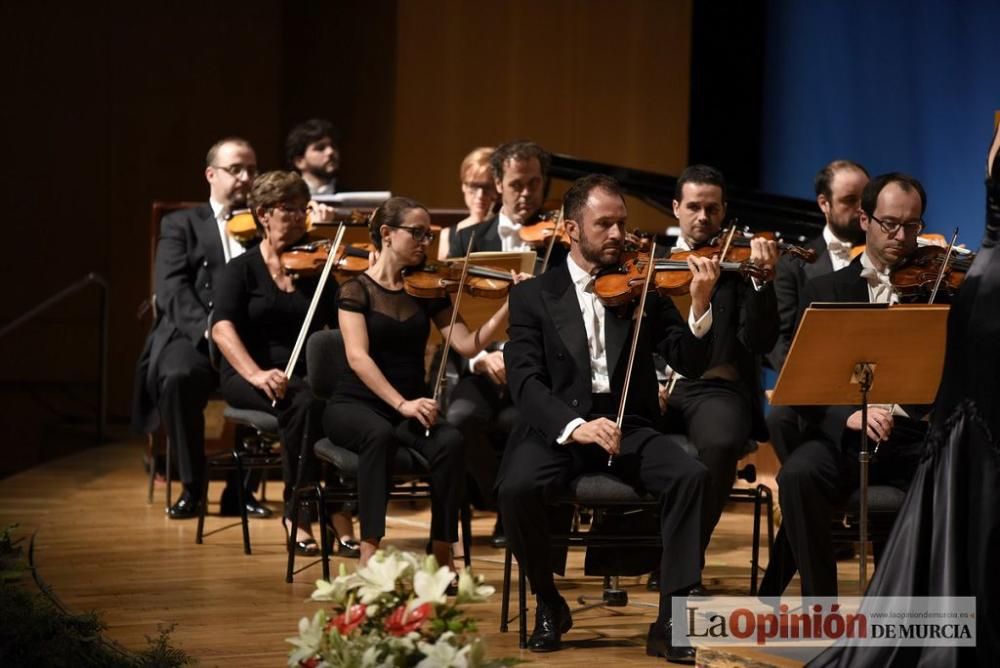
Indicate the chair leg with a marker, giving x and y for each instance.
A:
(755, 546)
(290, 543)
(466, 518)
(522, 602)
(324, 532)
(202, 508)
(170, 475)
(241, 496)
(151, 455)
(769, 499)
(505, 597)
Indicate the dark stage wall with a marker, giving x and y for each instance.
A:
(110, 106)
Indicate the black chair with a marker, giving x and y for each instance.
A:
(602, 492)
(884, 502)
(257, 447)
(326, 360)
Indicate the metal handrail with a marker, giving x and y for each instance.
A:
(102, 352)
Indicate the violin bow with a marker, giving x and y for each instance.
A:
(635, 342)
(944, 267)
(552, 241)
(439, 379)
(297, 350)
(729, 241)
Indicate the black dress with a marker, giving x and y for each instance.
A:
(946, 541)
(267, 321)
(357, 419)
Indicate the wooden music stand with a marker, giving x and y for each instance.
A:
(854, 353)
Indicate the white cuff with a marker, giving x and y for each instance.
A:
(700, 326)
(475, 359)
(568, 430)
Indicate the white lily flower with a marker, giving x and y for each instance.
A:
(471, 589)
(431, 587)
(337, 589)
(309, 640)
(380, 575)
(443, 654)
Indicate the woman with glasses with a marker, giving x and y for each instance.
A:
(382, 401)
(479, 192)
(258, 313)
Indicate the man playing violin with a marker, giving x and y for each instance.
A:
(838, 194)
(174, 376)
(566, 364)
(312, 149)
(722, 408)
(479, 405)
(822, 471)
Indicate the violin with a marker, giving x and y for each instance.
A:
(621, 285)
(930, 272)
(435, 280)
(240, 226)
(540, 234)
(307, 258)
(738, 249)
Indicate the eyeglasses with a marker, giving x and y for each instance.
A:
(419, 234)
(487, 188)
(891, 226)
(288, 208)
(237, 170)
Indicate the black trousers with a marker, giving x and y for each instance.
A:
(786, 429)
(186, 379)
(376, 435)
(813, 482)
(534, 470)
(299, 416)
(483, 412)
(715, 416)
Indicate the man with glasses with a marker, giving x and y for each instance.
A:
(174, 376)
(822, 472)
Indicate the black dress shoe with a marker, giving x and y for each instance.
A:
(653, 583)
(185, 508)
(307, 547)
(229, 506)
(498, 539)
(659, 643)
(550, 624)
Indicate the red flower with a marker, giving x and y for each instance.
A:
(309, 663)
(399, 623)
(349, 620)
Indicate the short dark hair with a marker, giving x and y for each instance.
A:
(306, 133)
(701, 174)
(824, 177)
(575, 198)
(391, 213)
(272, 188)
(214, 149)
(869, 196)
(520, 150)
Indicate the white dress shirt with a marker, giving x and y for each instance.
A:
(230, 247)
(593, 312)
(510, 234)
(840, 251)
(880, 290)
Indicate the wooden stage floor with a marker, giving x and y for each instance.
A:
(101, 547)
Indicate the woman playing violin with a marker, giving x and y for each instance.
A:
(381, 403)
(258, 313)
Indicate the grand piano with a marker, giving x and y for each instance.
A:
(795, 219)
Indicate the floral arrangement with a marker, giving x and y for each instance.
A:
(394, 612)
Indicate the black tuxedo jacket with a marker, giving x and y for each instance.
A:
(789, 282)
(487, 239)
(548, 360)
(827, 422)
(744, 328)
(188, 266)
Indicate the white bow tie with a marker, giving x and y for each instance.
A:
(839, 248)
(507, 228)
(874, 277)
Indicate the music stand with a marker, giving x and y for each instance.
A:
(846, 353)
